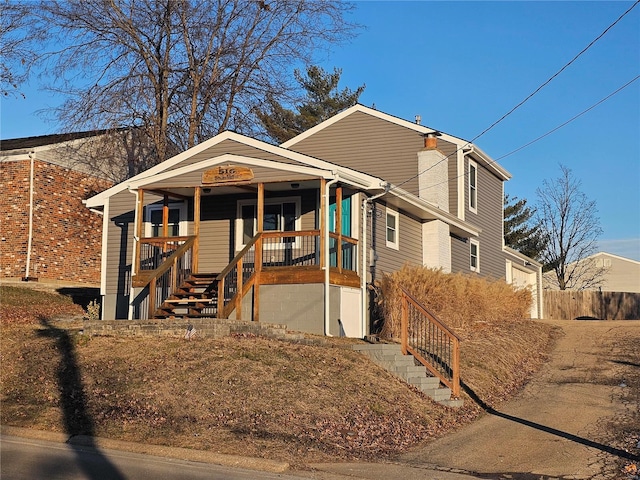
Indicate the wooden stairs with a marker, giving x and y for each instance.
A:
(197, 297)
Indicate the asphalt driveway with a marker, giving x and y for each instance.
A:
(563, 424)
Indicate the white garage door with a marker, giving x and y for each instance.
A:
(522, 279)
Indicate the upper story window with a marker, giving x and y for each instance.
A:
(393, 226)
(473, 186)
(280, 215)
(474, 255)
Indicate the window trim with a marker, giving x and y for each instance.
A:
(474, 243)
(473, 188)
(396, 243)
(239, 234)
(154, 207)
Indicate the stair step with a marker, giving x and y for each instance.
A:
(438, 394)
(188, 301)
(397, 358)
(389, 356)
(452, 403)
(427, 382)
(387, 348)
(407, 369)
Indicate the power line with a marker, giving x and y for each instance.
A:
(555, 74)
(568, 121)
(575, 117)
(537, 90)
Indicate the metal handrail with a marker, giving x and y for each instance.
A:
(430, 341)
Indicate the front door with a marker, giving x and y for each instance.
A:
(345, 225)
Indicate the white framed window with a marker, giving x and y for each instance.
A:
(177, 224)
(473, 186)
(393, 229)
(474, 255)
(280, 215)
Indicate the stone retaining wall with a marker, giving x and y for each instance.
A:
(209, 327)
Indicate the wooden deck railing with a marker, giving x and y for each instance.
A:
(154, 251)
(274, 250)
(171, 273)
(237, 278)
(431, 342)
(164, 263)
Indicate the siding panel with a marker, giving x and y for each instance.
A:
(489, 218)
(368, 145)
(232, 147)
(410, 241)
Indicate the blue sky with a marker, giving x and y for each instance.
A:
(462, 65)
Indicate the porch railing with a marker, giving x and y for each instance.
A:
(278, 249)
(155, 250)
(237, 278)
(164, 279)
(430, 341)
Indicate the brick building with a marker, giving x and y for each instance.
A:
(46, 233)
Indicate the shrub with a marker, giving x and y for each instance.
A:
(458, 300)
(93, 311)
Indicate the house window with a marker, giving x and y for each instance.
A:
(474, 257)
(393, 224)
(176, 224)
(280, 215)
(473, 186)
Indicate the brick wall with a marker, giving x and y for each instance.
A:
(66, 243)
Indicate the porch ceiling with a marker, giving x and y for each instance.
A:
(221, 190)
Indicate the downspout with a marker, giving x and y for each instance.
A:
(327, 311)
(363, 272)
(136, 244)
(30, 235)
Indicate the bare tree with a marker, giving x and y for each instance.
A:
(570, 228)
(17, 54)
(180, 70)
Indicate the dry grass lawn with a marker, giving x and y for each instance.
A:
(241, 395)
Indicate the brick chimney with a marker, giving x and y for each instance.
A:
(431, 141)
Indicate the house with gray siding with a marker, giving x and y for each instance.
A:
(295, 234)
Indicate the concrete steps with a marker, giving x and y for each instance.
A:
(389, 356)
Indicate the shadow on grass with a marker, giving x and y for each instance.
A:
(625, 362)
(553, 431)
(75, 414)
(82, 296)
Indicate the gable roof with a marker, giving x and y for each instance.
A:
(464, 145)
(362, 180)
(611, 255)
(230, 158)
(27, 143)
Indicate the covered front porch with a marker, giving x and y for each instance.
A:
(249, 242)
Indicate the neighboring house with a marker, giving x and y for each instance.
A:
(46, 233)
(617, 274)
(296, 234)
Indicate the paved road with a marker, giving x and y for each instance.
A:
(32, 459)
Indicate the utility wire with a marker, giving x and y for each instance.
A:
(528, 97)
(568, 121)
(575, 117)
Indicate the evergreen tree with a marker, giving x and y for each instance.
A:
(520, 231)
(322, 100)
